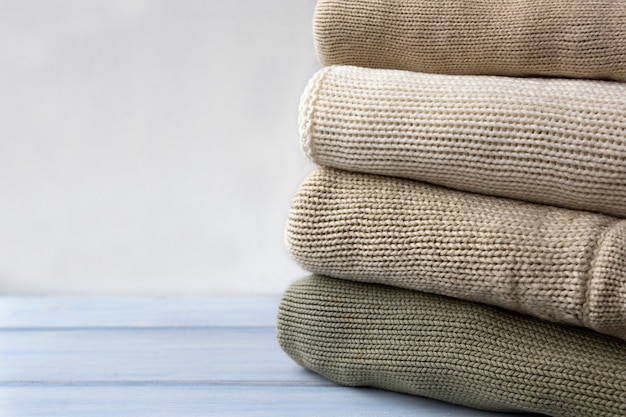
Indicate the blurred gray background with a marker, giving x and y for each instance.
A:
(150, 147)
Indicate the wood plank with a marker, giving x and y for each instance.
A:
(21, 312)
(148, 354)
(192, 400)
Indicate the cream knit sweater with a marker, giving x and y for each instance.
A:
(561, 265)
(552, 141)
(581, 38)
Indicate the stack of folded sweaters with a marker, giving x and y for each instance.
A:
(467, 227)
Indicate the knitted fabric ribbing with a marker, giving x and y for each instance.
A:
(582, 38)
(468, 353)
(561, 265)
(551, 141)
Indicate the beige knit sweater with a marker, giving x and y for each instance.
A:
(453, 350)
(561, 265)
(553, 141)
(581, 38)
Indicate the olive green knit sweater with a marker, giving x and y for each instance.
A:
(453, 350)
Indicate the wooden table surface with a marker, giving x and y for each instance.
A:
(99, 356)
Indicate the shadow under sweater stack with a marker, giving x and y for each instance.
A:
(467, 226)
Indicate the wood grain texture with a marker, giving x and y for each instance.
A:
(20, 312)
(191, 401)
(78, 356)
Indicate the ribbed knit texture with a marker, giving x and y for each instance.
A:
(453, 350)
(561, 265)
(552, 141)
(582, 38)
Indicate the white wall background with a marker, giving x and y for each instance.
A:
(150, 147)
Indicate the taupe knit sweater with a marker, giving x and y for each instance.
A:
(457, 351)
(561, 265)
(552, 141)
(582, 38)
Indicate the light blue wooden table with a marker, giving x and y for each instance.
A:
(91, 357)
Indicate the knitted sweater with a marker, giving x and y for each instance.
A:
(561, 265)
(582, 38)
(552, 141)
(457, 351)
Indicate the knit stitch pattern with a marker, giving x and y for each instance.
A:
(561, 265)
(467, 353)
(559, 38)
(551, 141)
